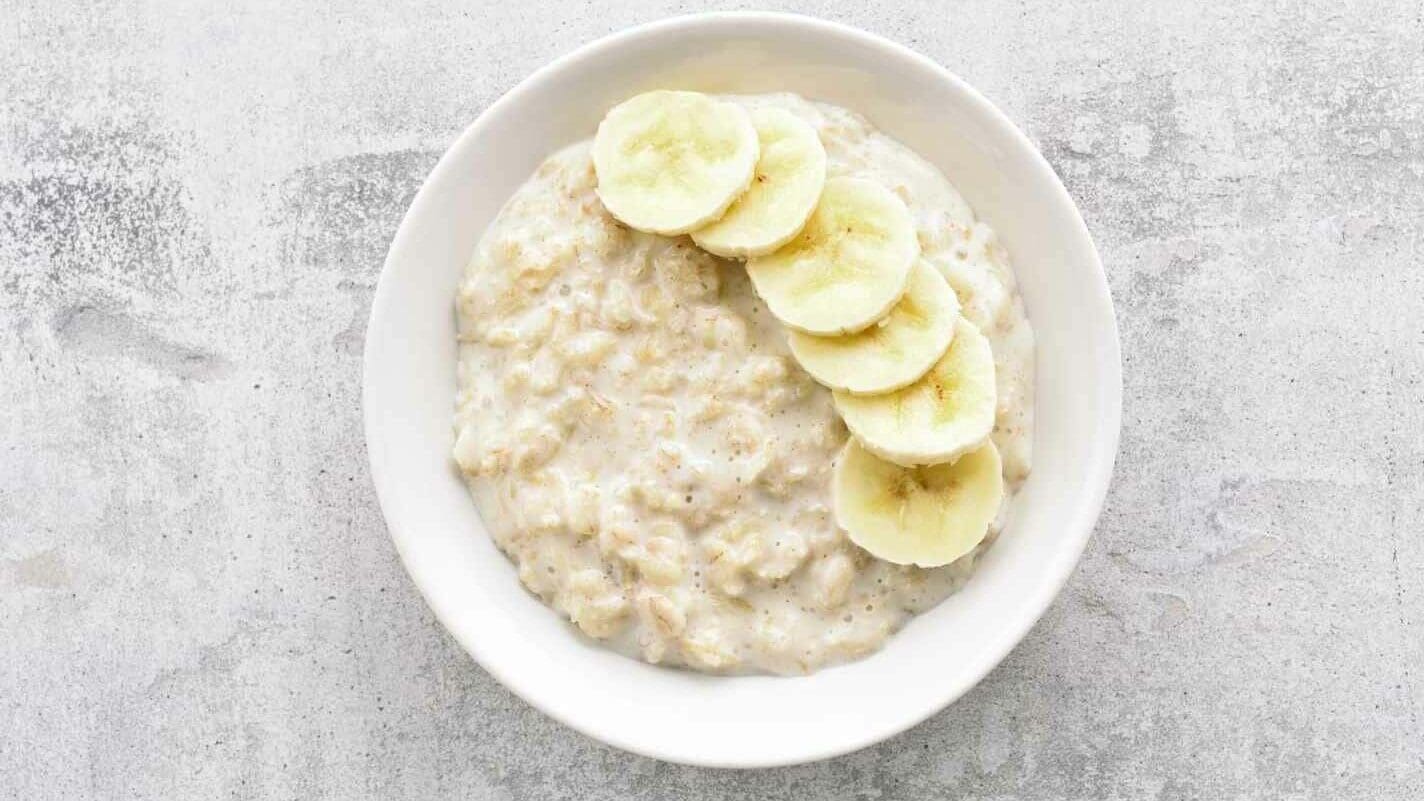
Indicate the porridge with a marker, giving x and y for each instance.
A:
(642, 443)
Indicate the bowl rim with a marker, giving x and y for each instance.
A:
(1100, 461)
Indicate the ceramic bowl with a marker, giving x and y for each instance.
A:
(677, 715)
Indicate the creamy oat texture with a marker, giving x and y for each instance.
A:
(640, 442)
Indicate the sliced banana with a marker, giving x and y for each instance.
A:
(670, 162)
(892, 353)
(926, 516)
(946, 413)
(847, 267)
(782, 195)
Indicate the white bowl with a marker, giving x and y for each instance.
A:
(744, 721)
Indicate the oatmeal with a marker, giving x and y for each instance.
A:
(640, 442)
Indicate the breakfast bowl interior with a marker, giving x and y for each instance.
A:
(742, 721)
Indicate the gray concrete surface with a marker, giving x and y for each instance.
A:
(197, 595)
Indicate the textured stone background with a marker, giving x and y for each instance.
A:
(197, 595)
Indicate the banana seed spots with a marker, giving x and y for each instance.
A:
(942, 480)
(943, 388)
(830, 249)
(903, 491)
(899, 404)
(911, 488)
(905, 484)
(879, 337)
(824, 273)
(665, 151)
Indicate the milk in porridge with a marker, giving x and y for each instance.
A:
(640, 443)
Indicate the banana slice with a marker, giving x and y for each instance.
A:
(926, 516)
(789, 177)
(946, 413)
(892, 353)
(670, 162)
(847, 267)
